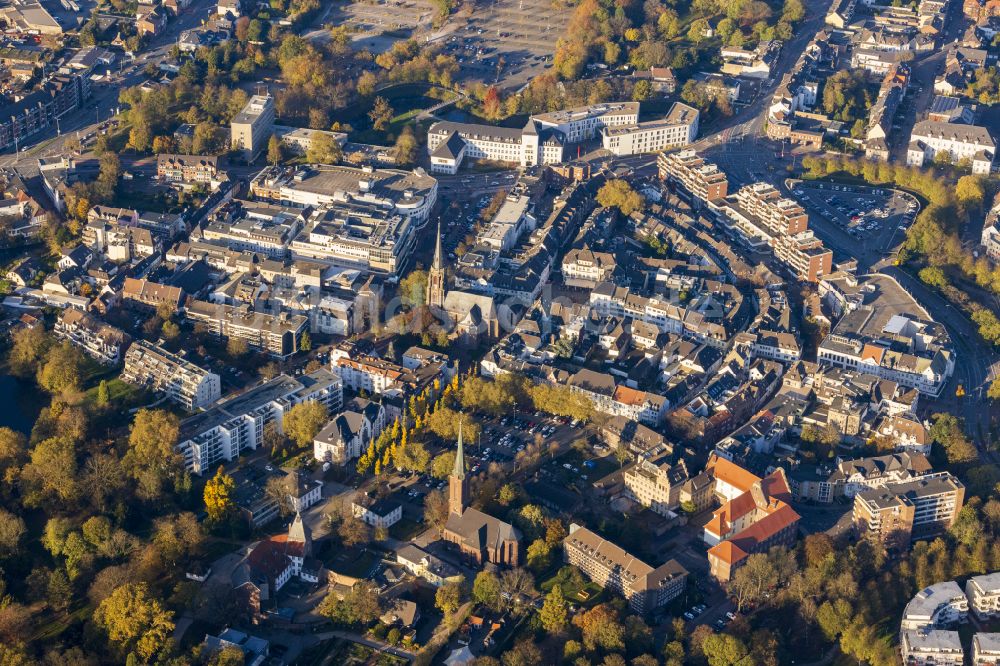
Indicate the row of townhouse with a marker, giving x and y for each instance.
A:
(849, 477)
(100, 341)
(705, 318)
(609, 397)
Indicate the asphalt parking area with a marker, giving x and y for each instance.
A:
(876, 216)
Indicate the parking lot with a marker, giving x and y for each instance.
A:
(512, 39)
(877, 217)
(378, 16)
(460, 217)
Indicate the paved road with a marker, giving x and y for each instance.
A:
(104, 98)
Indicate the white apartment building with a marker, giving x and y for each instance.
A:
(264, 232)
(960, 142)
(986, 649)
(935, 606)
(158, 370)
(678, 128)
(983, 593)
(932, 647)
(586, 122)
(237, 424)
(991, 242)
(98, 340)
(367, 373)
(541, 141)
(510, 222)
(251, 128)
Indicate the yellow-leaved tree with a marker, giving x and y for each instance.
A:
(135, 621)
(218, 495)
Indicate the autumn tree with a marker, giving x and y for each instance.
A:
(970, 192)
(366, 84)
(275, 151)
(218, 496)
(436, 509)
(492, 104)
(448, 597)
(947, 431)
(443, 464)
(29, 348)
(619, 194)
(62, 370)
(601, 628)
(152, 457)
(304, 421)
(406, 148)
(359, 606)
(726, 650)
(12, 530)
(381, 113)
(553, 614)
(236, 347)
(324, 149)
(134, 620)
(993, 392)
(13, 448)
(486, 589)
(444, 422)
(752, 579)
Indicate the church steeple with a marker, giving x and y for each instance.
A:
(435, 277)
(437, 250)
(458, 488)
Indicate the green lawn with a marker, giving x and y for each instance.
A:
(119, 393)
(54, 628)
(405, 529)
(586, 594)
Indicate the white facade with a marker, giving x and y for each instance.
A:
(678, 128)
(379, 514)
(932, 647)
(583, 123)
(983, 593)
(960, 142)
(237, 424)
(180, 380)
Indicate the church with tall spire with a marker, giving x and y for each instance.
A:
(478, 535)
(458, 484)
(435, 277)
(472, 315)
